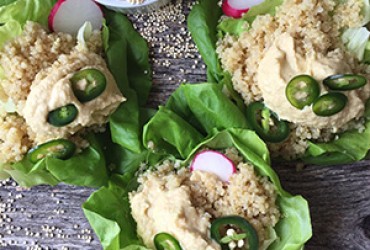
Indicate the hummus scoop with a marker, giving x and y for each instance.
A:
(282, 62)
(77, 91)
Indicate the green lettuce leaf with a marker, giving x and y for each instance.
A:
(170, 142)
(109, 213)
(351, 146)
(26, 10)
(135, 247)
(128, 60)
(6, 2)
(8, 31)
(202, 24)
(235, 26)
(294, 229)
(85, 169)
(108, 208)
(177, 132)
(196, 111)
(15, 13)
(266, 7)
(206, 106)
(366, 58)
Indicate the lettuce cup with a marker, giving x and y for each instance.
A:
(59, 91)
(205, 182)
(304, 86)
(224, 195)
(193, 203)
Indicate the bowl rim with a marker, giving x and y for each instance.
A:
(124, 3)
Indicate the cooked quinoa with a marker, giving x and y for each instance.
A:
(315, 25)
(136, 1)
(246, 194)
(24, 61)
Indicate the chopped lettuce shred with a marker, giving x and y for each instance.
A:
(357, 40)
(84, 34)
(191, 121)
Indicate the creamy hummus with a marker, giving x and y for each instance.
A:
(52, 89)
(283, 61)
(166, 207)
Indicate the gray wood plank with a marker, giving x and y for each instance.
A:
(51, 217)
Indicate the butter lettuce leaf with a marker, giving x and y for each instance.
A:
(87, 168)
(15, 13)
(8, 31)
(351, 146)
(128, 59)
(197, 110)
(108, 209)
(6, 2)
(177, 132)
(109, 213)
(202, 24)
(235, 26)
(27, 10)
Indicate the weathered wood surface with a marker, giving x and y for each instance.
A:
(52, 218)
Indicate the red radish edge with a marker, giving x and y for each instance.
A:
(96, 19)
(230, 11)
(53, 12)
(228, 164)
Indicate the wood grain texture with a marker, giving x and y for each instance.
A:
(52, 218)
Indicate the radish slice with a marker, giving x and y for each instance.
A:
(213, 162)
(231, 12)
(236, 8)
(69, 15)
(243, 4)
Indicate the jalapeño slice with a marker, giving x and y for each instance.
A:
(165, 241)
(345, 82)
(62, 116)
(219, 225)
(266, 124)
(302, 91)
(329, 104)
(87, 84)
(60, 148)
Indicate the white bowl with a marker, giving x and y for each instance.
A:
(128, 8)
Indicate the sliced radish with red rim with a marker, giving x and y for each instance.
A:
(214, 162)
(236, 8)
(69, 15)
